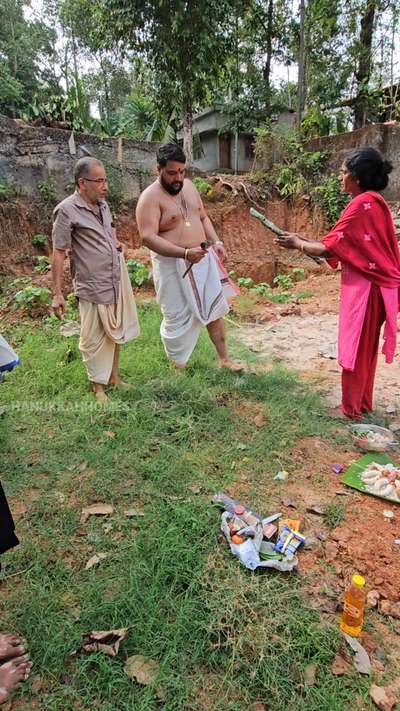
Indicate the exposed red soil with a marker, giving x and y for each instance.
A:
(250, 246)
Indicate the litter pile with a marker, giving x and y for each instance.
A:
(270, 542)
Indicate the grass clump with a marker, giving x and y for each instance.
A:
(335, 514)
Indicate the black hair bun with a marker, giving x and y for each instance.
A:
(387, 167)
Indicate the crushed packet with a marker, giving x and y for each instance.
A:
(289, 541)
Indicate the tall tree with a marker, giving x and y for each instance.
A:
(301, 81)
(364, 65)
(24, 46)
(186, 42)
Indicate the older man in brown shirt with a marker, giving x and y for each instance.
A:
(83, 224)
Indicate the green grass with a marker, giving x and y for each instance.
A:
(223, 637)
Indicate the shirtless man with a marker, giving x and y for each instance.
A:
(191, 284)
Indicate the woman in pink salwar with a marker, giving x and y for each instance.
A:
(364, 242)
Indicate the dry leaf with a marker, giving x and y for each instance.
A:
(95, 560)
(37, 684)
(373, 598)
(18, 509)
(131, 513)
(96, 510)
(382, 698)
(107, 642)
(82, 466)
(390, 608)
(361, 659)
(143, 670)
(70, 328)
(110, 434)
(289, 503)
(309, 674)
(195, 488)
(258, 706)
(316, 509)
(259, 420)
(341, 664)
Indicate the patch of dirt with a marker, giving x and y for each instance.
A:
(250, 246)
(308, 342)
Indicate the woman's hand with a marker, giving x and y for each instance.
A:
(290, 240)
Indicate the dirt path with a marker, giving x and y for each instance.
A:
(308, 343)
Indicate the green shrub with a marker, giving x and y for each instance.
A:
(47, 191)
(330, 196)
(4, 191)
(32, 297)
(138, 273)
(39, 240)
(246, 282)
(42, 264)
(202, 186)
(283, 281)
(298, 273)
(261, 289)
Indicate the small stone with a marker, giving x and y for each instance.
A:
(316, 509)
(373, 598)
(310, 542)
(391, 409)
(397, 541)
(390, 608)
(394, 426)
(388, 514)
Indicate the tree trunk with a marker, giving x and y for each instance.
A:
(267, 65)
(364, 63)
(188, 135)
(302, 64)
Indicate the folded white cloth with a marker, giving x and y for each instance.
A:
(188, 302)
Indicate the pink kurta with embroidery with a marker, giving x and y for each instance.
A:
(364, 241)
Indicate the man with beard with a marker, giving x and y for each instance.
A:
(191, 283)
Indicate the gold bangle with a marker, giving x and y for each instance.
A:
(185, 255)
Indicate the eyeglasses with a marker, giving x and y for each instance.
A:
(99, 181)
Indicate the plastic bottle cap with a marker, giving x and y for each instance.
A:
(358, 581)
(239, 510)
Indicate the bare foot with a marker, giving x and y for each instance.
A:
(178, 366)
(233, 365)
(338, 414)
(101, 396)
(120, 385)
(11, 646)
(12, 673)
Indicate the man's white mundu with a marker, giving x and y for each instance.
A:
(188, 303)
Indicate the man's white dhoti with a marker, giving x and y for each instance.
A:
(190, 302)
(103, 326)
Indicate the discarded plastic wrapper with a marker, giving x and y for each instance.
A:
(293, 523)
(337, 468)
(249, 517)
(288, 542)
(248, 552)
(281, 476)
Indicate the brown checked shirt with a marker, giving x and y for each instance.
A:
(93, 243)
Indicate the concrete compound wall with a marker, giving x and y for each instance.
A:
(384, 137)
(29, 155)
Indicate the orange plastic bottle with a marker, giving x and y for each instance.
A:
(353, 607)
